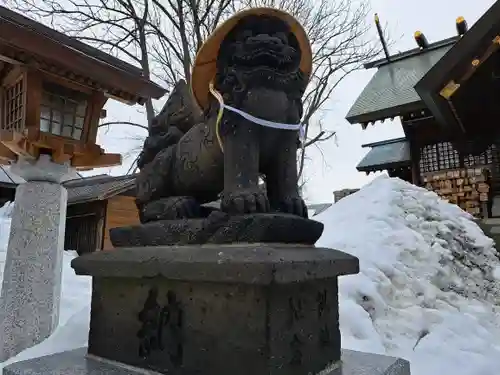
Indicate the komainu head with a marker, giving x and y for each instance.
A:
(256, 48)
(260, 51)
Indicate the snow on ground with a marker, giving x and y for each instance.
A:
(428, 290)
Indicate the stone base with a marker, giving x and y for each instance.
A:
(217, 309)
(220, 228)
(77, 363)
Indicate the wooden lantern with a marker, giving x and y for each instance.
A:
(52, 92)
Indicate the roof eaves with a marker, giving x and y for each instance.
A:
(383, 167)
(385, 142)
(96, 180)
(125, 186)
(109, 193)
(386, 113)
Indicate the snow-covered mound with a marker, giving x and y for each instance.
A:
(428, 289)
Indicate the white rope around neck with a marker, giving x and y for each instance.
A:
(269, 124)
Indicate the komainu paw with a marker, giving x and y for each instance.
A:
(293, 205)
(170, 208)
(245, 202)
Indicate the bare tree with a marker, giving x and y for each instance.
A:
(163, 36)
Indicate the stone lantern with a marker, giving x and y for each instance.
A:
(52, 92)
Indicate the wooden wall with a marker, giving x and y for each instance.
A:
(121, 211)
(84, 227)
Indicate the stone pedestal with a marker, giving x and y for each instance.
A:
(217, 309)
(29, 302)
(76, 362)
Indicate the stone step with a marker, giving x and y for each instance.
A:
(495, 230)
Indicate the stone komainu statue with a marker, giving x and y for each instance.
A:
(247, 81)
(259, 61)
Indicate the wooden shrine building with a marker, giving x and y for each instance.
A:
(52, 92)
(446, 95)
(95, 205)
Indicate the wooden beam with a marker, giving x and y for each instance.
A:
(66, 82)
(17, 143)
(9, 60)
(94, 111)
(13, 76)
(60, 157)
(494, 46)
(119, 98)
(6, 155)
(33, 99)
(99, 161)
(56, 143)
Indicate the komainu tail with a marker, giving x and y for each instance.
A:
(180, 111)
(179, 114)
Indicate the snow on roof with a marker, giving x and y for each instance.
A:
(427, 290)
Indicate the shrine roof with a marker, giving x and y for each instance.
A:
(22, 38)
(391, 92)
(392, 153)
(98, 188)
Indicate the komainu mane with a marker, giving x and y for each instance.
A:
(248, 80)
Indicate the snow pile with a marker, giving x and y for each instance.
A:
(428, 289)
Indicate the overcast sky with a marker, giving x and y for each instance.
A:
(336, 168)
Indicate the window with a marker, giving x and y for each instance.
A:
(62, 111)
(13, 107)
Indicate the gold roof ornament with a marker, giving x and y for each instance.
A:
(204, 68)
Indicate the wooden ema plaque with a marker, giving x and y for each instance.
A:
(467, 188)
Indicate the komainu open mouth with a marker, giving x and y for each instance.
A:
(283, 58)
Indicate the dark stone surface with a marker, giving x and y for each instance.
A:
(217, 309)
(239, 263)
(172, 208)
(216, 328)
(180, 111)
(183, 164)
(220, 228)
(76, 363)
(177, 116)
